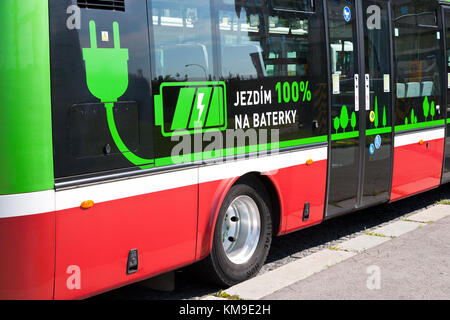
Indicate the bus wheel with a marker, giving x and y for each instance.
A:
(242, 235)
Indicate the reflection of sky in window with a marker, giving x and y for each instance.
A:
(417, 51)
(183, 39)
(242, 44)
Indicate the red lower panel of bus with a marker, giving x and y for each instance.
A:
(96, 242)
(27, 251)
(304, 184)
(417, 167)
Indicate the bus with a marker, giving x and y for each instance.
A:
(141, 136)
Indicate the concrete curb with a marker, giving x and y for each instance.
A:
(362, 243)
(398, 228)
(432, 214)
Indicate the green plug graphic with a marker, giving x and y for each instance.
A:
(106, 69)
(107, 80)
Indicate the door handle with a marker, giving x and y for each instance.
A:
(356, 92)
(367, 92)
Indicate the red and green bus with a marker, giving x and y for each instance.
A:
(141, 136)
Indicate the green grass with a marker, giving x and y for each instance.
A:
(223, 294)
(376, 234)
(408, 220)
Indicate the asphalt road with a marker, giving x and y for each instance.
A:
(291, 247)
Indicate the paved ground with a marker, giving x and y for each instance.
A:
(415, 265)
(305, 250)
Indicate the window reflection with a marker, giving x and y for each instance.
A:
(182, 40)
(417, 53)
(418, 62)
(257, 42)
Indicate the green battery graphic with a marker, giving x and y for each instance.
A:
(191, 107)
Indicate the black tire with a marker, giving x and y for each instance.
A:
(217, 267)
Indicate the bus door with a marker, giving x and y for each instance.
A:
(446, 170)
(361, 104)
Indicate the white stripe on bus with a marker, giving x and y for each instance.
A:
(48, 201)
(16, 205)
(415, 137)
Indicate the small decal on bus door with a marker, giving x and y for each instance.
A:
(105, 36)
(336, 84)
(347, 14)
(356, 92)
(387, 82)
(377, 142)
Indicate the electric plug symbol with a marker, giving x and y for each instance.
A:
(106, 68)
(107, 80)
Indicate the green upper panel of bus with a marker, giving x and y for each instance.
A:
(26, 162)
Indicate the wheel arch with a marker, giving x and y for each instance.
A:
(271, 186)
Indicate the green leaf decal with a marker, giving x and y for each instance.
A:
(336, 124)
(432, 110)
(353, 120)
(426, 108)
(344, 117)
(376, 112)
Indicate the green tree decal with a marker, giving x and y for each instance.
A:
(376, 113)
(406, 121)
(353, 121)
(426, 108)
(344, 117)
(384, 117)
(337, 123)
(432, 110)
(413, 118)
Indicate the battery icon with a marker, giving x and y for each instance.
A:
(187, 107)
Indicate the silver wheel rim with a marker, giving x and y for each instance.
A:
(241, 228)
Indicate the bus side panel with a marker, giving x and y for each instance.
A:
(96, 242)
(305, 184)
(295, 183)
(27, 246)
(417, 163)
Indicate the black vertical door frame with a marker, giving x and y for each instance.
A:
(445, 83)
(363, 115)
(360, 55)
(393, 94)
(362, 104)
(327, 50)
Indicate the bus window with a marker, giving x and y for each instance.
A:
(248, 52)
(273, 59)
(299, 5)
(181, 54)
(182, 40)
(418, 61)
